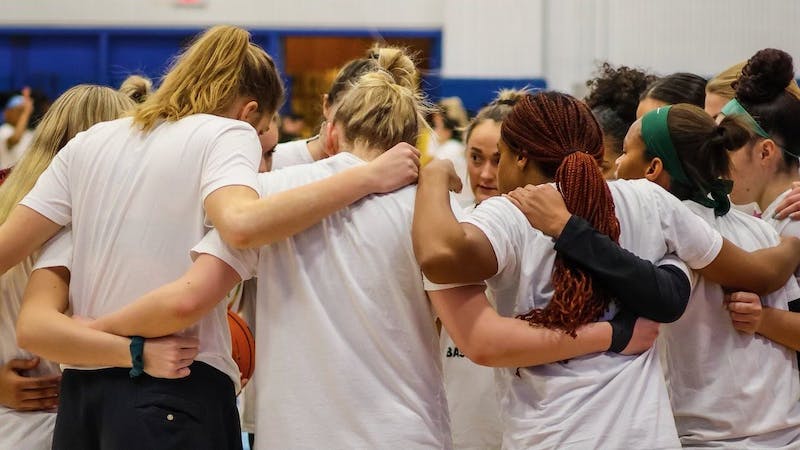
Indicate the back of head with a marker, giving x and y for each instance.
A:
(722, 84)
(618, 89)
(677, 88)
(221, 65)
(381, 110)
(498, 109)
(702, 145)
(76, 110)
(136, 87)
(391, 59)
(763, 90)
(561, 136)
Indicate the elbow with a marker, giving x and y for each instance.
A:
(232, 228)
(187, 309)
(484, 355)
(27, 336)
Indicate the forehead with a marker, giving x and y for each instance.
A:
(485, 135)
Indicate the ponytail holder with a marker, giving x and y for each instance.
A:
(734, 108)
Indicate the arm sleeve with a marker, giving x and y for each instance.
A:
(51, 196)
(232, 160)
(244, 262)
(658, 293)
(57, 252)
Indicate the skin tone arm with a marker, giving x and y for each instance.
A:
(762, 271)
(23, 232)
(492, 340)
(244, 221)
(174, 306)
(42, 328)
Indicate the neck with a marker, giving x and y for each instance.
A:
(366, 153)
(778, 184)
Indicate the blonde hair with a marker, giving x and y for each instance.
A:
(384, 107)
(137, 88)
(74, 111)
(221, 65)
(498, 109)
(722, 84)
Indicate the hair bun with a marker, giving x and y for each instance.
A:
(765, 76)
(510, 97)
(399, 64)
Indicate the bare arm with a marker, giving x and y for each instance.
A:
(492, 340)
(42, 328)
(23, 232)
(441, 243)
(762, 271)
(24, 118)
(174, 306)
(780, 326)
(244, 221)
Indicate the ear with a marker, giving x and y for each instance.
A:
(654, 169)
(249, 112)
(766, 150)
(331, 138)
(522, 162)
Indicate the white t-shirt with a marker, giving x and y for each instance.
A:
(602, 400)
(785, 227)
(471, 395)
(730, 389)
(291, 154)
(9, 157)
(18, 430)
(455, 152)
(135, 202)
(346, 343)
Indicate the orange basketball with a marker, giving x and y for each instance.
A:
(243, 345)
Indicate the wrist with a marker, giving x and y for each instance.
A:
(137, 356)
(556, 228)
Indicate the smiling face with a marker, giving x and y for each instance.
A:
(483, 158)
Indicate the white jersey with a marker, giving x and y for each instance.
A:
(10, 156)
(784, 227)
(346, 343)
(604, 400)
(18, 430)
(291, 153)
(730, 389)
(135, 201)
(455, 152)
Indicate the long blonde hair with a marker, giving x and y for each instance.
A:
(74, 111)
(384, 107)
(221, 65)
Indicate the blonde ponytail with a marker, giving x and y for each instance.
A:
(219, 66)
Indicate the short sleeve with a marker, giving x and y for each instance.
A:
(51, 196)
(504, 225)
(232, 159)
(291, 154)
(57, 252)
(673, 260)
(244, 262)
(686, 234)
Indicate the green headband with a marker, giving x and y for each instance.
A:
(658, 142)
(655, 133)
(734, 108)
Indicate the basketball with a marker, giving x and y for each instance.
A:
(243, 345)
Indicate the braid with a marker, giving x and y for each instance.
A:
(563, 138)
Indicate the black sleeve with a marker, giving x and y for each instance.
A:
(658, 293)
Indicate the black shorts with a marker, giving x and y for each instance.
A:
(107, 410)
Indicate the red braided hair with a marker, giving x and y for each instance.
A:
(561, 136)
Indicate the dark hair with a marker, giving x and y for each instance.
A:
(561, 136)
(681, 87)
(761, 89)
(349, 74)
(614, 96)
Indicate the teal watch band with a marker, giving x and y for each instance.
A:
(137, 356)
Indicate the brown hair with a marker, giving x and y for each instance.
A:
(219, 66)
(497, 110)
(561, 136)
(137, 87)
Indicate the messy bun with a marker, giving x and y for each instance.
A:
(618, 89)
(136, 87)
(765, 76)
(399, 64)
(393, 60)
(498, 109)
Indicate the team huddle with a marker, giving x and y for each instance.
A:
(624, 276)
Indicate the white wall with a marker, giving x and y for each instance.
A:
(559, 40)
(256, 13)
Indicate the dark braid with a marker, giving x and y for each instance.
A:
(561, 136)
